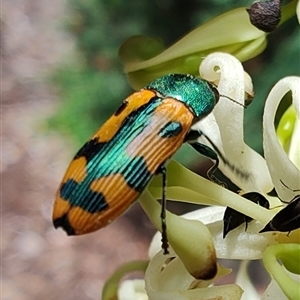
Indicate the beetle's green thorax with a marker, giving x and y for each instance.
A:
(199, 95)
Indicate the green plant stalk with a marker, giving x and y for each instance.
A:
(289, 254)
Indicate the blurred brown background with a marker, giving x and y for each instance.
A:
(39, 262)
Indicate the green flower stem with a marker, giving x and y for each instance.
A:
(190, 239)
(208, 193)
(111, 286)
(152, 208)
(289, 254)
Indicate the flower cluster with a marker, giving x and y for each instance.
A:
(195, 243)
(191, 269)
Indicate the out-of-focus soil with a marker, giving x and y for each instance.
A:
(39, 262)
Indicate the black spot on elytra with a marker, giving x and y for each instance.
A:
(171, 129)
(121, 108)
(90, 149)
(136, 179)
(64, 223)
(80, 194)
(93, 147)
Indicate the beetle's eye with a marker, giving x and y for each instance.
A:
(216, 92)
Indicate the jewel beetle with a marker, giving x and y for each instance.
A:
(112, 169)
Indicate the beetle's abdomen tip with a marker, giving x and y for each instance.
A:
(64, 223)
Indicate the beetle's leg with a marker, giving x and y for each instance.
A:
(164, 239)
(208, 152)
(191, 138)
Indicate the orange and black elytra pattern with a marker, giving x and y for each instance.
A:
(113, 168)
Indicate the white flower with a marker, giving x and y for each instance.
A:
(132, 290)
(285, 171)
(196, 239)
(166, 276)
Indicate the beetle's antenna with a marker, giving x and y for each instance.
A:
(233, 101)
(228, 96)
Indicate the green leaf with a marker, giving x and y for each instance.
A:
(145, 58)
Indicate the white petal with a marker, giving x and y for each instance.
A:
(241, 244)
(166, 278)
(188, 238)
(206, 215)
(244, 281)
(298, 11)
(132, 290)
(280, 166)
(225, 125)
(273, 292)
(238, 244)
